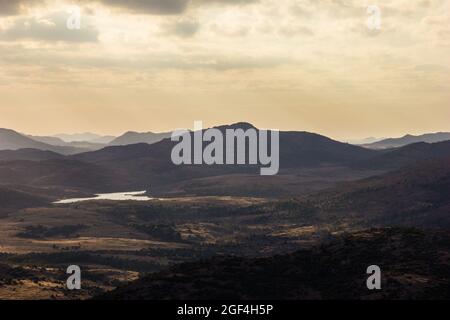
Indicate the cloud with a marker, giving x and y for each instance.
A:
(161, 7)
(164, 7)
(14, 7)
(49, 28)
(184, 28)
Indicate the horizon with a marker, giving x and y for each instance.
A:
(348, 140)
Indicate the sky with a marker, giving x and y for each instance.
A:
(344, 68)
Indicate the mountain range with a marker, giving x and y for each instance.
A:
(408, 139)
(132, 137)
(149, 166)
(68, 144)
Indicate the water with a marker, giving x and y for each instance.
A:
(118, 196)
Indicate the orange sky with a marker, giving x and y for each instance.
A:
(285, 64)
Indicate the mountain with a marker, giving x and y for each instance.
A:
(102, 139)
(12, 140)
(54, 141)
(132, 137)
(411, 262)
(85, 137)
(83, 146)
(296, 149)
(151, 164)
(408, 139)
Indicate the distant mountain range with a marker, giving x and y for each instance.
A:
(68, 144)
(85, 137)
(364, 141)
(12, 140)
(408, 139)
(136, 137)
(144, 166)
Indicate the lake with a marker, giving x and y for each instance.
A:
(117, 196)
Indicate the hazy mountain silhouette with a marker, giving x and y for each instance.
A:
(409, 139)
(132, 137)
(54, 141)
(12, 140)
(85, 137)
(83, 146)
(363, 141)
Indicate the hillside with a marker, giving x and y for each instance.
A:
(28, 154)
(406, 156)
(14, 199)
(413, 196)
(412, 263)
(61, 173)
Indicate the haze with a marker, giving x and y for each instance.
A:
(159, 65)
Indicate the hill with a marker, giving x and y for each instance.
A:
(28, 154)
(61, 173)
(406, 156)
(15, 199)
(412, 196)
(153, 164)
(412, 264)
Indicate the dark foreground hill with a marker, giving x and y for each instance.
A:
(28, 154)
(416, 195)
(16, 199)
(60, 173)
(414, 265)
(407, 155)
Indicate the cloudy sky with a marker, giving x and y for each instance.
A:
(154, 65)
